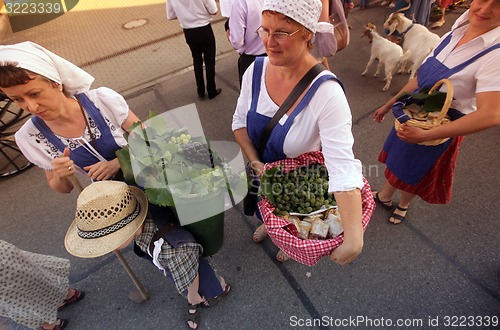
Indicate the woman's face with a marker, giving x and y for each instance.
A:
(287, 51)
(485, 14)
(39, 97)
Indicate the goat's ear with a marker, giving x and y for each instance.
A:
(392, 26)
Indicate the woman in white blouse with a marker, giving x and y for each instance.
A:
(323, 123)
(64, 114)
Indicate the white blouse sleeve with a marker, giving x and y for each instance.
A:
(244, 100)
(112, 105)
(114, 109)
(32, 147)
(335, 124)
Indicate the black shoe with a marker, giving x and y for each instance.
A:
(217, 92)
(201, 96)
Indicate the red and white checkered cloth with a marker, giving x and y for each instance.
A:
(308, 251)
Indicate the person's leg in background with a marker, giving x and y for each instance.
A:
(442, 4)
(209, 49)
(194, 39)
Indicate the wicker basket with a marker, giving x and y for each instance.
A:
(440, 120)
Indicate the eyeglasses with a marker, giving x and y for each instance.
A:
(276, 35)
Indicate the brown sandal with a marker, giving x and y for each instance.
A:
(384, 204)
(398, 217)
(77, 296)
(60, 324)
(193, 317)
(214, 301)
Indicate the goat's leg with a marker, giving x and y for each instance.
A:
(379, 68)
(370, 61)
(401, 67)
(389, 69)
(414, 69)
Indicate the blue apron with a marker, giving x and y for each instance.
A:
(411, 162)
(274, 147)
(105, 145)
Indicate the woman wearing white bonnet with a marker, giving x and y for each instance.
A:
(64, 111)
(322, 122)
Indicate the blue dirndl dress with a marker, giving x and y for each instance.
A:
(414, 168)
(256, 122)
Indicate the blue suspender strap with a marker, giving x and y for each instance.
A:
(45, 130)
(256, 80)
(473, 59)
(92, 110)
(443, 44)
(311, 91)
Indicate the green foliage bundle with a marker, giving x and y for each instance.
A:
(166, 161)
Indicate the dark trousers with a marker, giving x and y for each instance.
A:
(244, 62)
(201, 41)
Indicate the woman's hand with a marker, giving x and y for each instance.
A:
(258, 167)
(347, 251)
(63, 166)
(349, 203)
(380, 113)
(412, 134)
(103, 170)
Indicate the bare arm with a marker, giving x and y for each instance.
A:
(487, 115)
(249, 150)
(63, 167)
(410, 87)
(349, 203)
(131, 119)
(106, 170)
(324, 16)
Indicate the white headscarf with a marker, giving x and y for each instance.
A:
(305, 12)
(33, 57)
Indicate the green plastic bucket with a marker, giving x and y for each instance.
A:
(209, 232)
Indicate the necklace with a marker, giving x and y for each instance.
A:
(92, 136)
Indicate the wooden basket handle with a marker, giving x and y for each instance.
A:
(448, 100)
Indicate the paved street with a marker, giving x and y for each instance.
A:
(442, 264)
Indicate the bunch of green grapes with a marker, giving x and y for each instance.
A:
(181, 139)
(302, 190)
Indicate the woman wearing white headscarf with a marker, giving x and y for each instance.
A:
(65, 111)
(323, 123)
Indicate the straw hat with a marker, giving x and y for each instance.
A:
(108, 213)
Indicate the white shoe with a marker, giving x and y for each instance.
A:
(392, 5)
(385, 2)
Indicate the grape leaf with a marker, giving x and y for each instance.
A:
(161, 197)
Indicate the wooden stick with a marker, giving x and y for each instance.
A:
(143, 293)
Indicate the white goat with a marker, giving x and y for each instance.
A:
(416, 38)
(389, 54)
